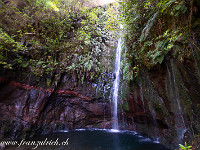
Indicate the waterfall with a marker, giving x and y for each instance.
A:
(174, 95)
(142, 99)
(116, 84)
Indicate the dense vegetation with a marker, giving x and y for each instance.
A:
(54, 36)
(50, 37)
(156, 30)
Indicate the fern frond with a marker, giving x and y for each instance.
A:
(148, 26)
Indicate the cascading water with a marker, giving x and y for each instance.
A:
(174, 95)
(142, 99)
(116, 84)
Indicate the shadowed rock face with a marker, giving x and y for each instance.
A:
(28, 110)
(165, 102)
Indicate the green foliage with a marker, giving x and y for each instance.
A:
(163, 44)
(185, 147)
(49, 37)
(112, 23)
(8, 43)
(126, 65)
(152, 30)
(9, 46)
(147, 28)
(125, 106)
(48, 4)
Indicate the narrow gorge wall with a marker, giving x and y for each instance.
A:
(164, 102)
(27, 109)
(54, 78)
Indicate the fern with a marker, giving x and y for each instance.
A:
(147, 28)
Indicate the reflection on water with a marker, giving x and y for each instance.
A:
(92, 140)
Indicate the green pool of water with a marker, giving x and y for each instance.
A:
(92, 140)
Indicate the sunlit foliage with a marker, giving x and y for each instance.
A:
(50, 37)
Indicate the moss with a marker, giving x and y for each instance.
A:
(125, 106)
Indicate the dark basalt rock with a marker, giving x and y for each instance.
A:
(28, 110)
(165, 102)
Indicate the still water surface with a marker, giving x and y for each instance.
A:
(94, 140)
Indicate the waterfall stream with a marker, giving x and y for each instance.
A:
(116, 85)
(174, 95)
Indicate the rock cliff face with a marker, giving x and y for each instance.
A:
(165, 102)
(27, 110)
